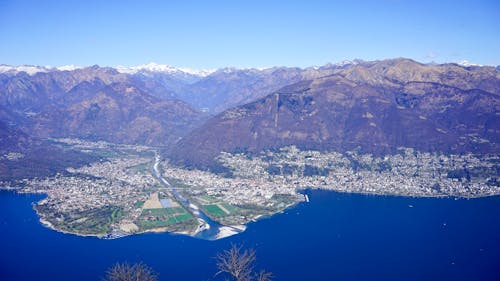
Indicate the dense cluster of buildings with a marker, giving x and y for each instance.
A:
(408, 173)
(109, 183)
(234, 191)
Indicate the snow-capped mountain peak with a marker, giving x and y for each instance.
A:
(34, 69)
(151, 67)
(155, 67)
(468, 63)
(69, 67)
(198, 72)
(30, 69)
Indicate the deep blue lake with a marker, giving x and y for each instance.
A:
(334, 237)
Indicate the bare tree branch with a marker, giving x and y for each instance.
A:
(264, 276)
(127, 272)
(239, 264)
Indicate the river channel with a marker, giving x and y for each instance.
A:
(209, 229)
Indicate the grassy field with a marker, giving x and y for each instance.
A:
(155, 218)
(139, 204)
(214, 210)
(175, 220)
(209, 199)
(153, 224)
(181, 218)
(164, 211)
(230, 208)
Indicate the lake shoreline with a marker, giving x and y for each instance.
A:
(228, 230)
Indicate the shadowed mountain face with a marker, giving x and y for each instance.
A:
(118, 113)
(373, 107)
(22, 156)
(12, 139)
(93, 103)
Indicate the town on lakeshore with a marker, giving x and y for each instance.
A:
(132, 190)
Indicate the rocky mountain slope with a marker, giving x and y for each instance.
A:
(374, 107)
(22, 156)
(93, 103)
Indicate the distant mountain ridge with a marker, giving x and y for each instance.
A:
(150, 67)
(207, 90)
(210, 90)
(165, 68)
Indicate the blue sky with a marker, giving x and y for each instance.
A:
(211, 34)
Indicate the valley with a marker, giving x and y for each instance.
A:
(123, 151)
(131, 190)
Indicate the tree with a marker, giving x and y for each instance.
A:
(127, 272)
(240, 264)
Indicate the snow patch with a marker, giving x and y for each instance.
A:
(30, 69)
(69, 67)
(155, 67)
(468, 63)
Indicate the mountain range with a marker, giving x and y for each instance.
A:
(372, 106)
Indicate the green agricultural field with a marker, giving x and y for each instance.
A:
(180, 218)
(208, 199)
(154, 224)
(214, 210)
(155, 218)
(164, 211)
